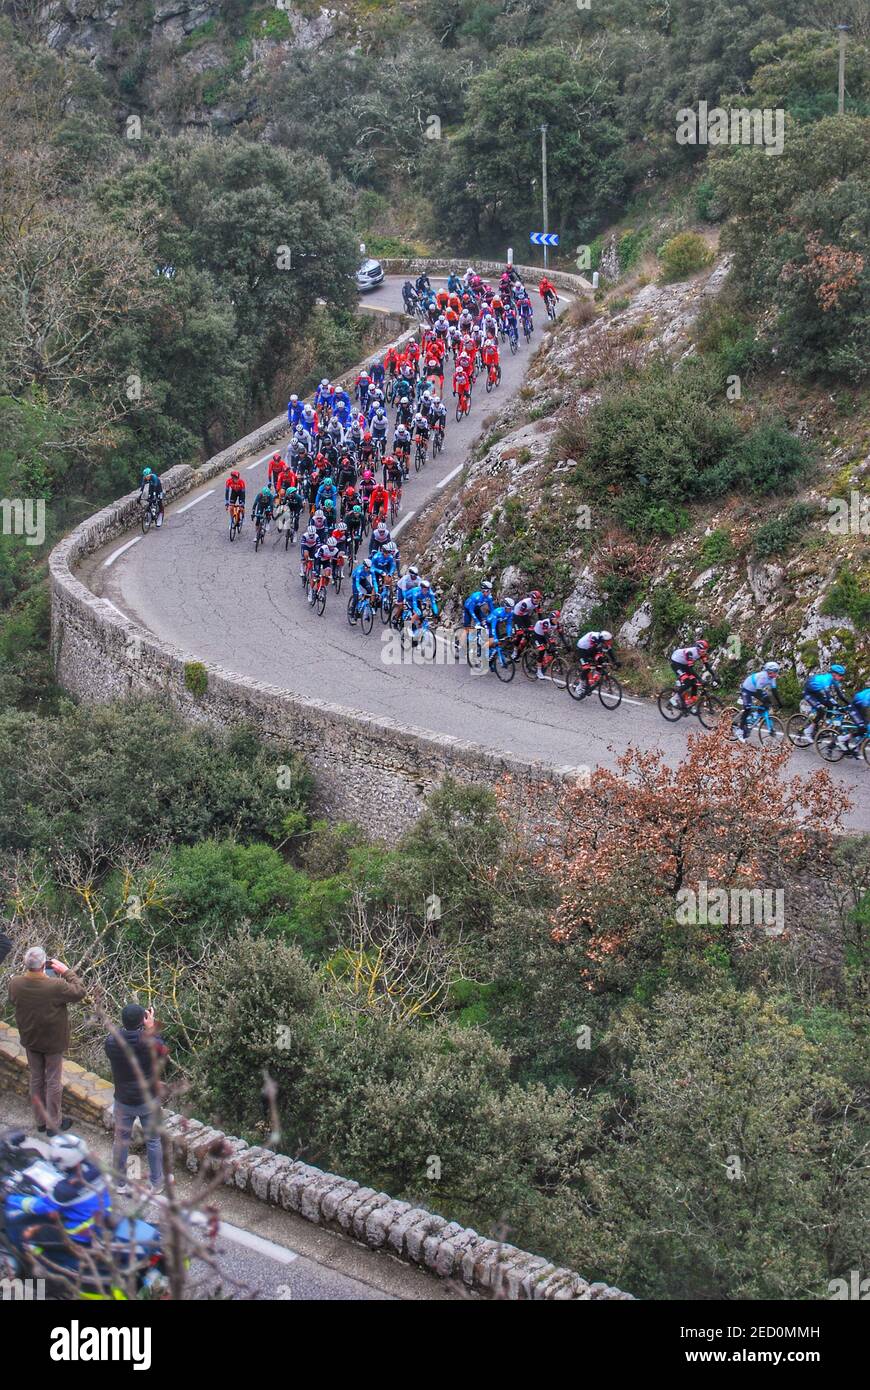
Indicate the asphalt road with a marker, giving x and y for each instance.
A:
(262, 1252)
(246, 612)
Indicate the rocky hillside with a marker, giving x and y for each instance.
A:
(776, 576)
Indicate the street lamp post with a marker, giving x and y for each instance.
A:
(842, 30)
(544, 186)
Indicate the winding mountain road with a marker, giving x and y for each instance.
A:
(246, 612)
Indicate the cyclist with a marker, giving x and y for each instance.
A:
(477, 607)
(859, 710)
(234, 492)
(264, 508)
(327, 492)
(379, 502)
(454, 284)
(379, 536)
(823, 691)
(596, 650)
(409, 581)
(402, 446)
(325, 558)
(524, 304)
(547, 291)
(526, 610)
(759, 688)
(355, 522)
(366, 487)
(489, 353)
(293, 503)
(410, 298)
(151, 481)
(421, 430)
(385, 564)
(294, 411)
(499, 625)
(361, 388)
(363, 583)
(685, 664)
(380, 425)
(543, 634)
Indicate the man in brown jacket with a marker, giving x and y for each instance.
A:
(41, 1015)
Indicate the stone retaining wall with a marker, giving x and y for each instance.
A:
(372, 1218)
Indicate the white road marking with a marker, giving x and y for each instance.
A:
(279, 1253)
(187, 506)
(450, 476)
(262, 460)
(120, 551)
(403, 522)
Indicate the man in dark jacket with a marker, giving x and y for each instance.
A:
(41, 1002)
(136, 1054)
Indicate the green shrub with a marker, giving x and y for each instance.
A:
(848, 598)
(195, 678)
(776, 536)
(767, 459)
(717, 548)
(670, 611)
(683, 255)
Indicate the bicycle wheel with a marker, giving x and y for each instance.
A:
(351, 615)
(146, 520)
(800, 730)
(514, 344)
(865, 748)
(710, 709)
(610, 692)
(337, 582)
(418, 459)
(827, 743)
(667, 708)
(770, 731)
(504, 667)
(234, 530)
(473, 649)
(576, 686)
(386, 607)
(489, 383)
(428, 644)
(320, 600)
(530, 664)
(367, 618)
(558, 673)
(258, 538)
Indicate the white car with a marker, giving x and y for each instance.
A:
(369, 275)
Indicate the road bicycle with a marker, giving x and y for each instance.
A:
(420, 632)
(501, 660)
(585, 679)
(493, 377)
(437, 440)
(395, 503)
(150, 511)
(318, 590)
(528, 329)
(679, 702)
(236, 516)
(550, 301)
(360, 610)
(420, 452)
(463, 405)
(841, 740)
(474, 645)
(552, 666)
(260, 531)
(759, 719)
(513, 338)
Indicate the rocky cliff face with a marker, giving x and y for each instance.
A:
(517, 516)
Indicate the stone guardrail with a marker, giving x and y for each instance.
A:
(435, 265)
(373, 1219)
(360, 765)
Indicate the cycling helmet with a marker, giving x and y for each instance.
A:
(367, 436)
(358, 509)
(367, 564)
(424, 584)
(703, 644)
(234, 473)
(546, 624)
(341, 526)
(276, 458)
(606, 636)
(308, 412)
(146, 472)
(413, 571)
(555, 616)
(771, 666)
(294, 400)
(310, 533)
(318, 517)
(838, 670)
(427, 395)
(536, 597)
(67, 1151)
(390, 548)
(368, 475)
(486, 586)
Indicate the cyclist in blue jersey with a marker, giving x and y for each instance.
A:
(759, 688)
(364, 583)
(823, 691)
(477, 607)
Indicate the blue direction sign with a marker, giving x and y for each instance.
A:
(544, 238)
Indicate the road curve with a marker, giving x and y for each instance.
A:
(246, 612)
